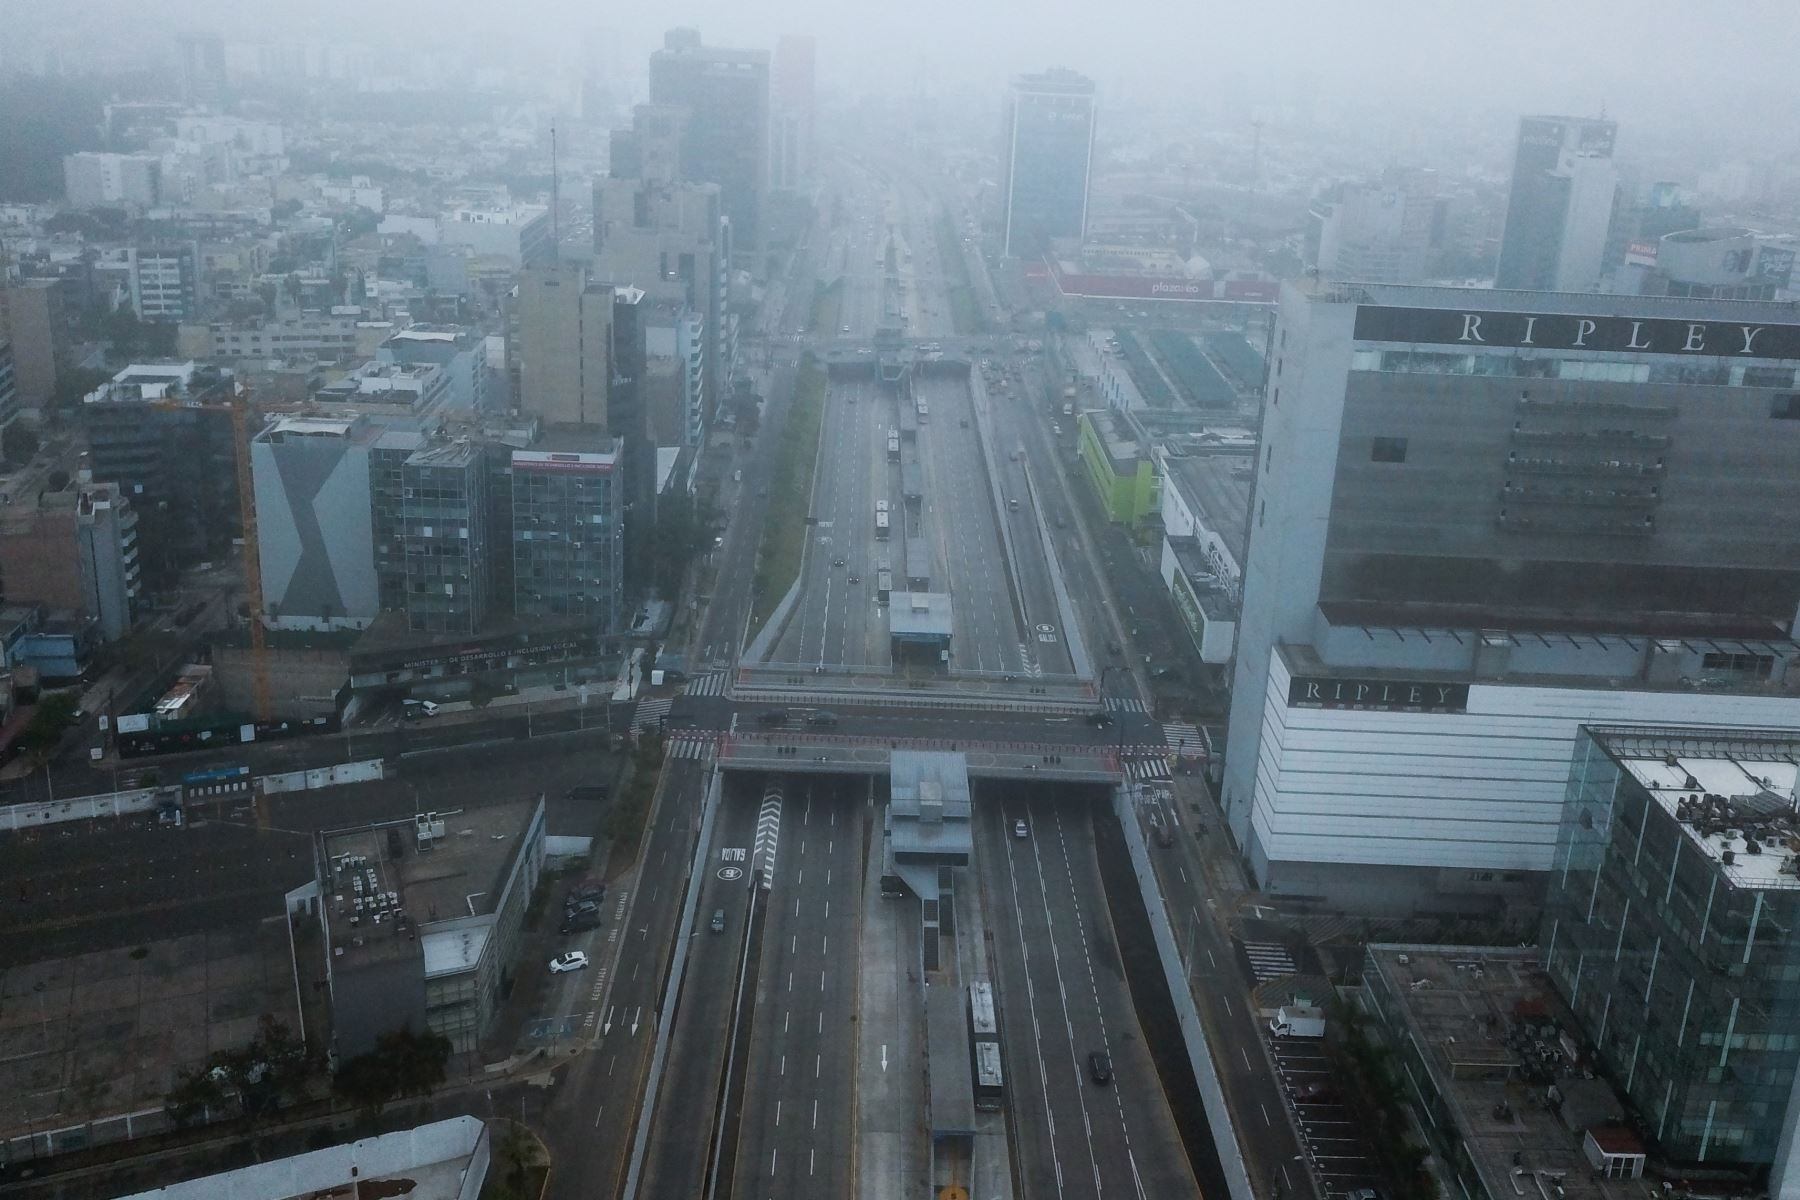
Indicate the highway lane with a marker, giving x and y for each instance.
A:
(677, 1158)
(838, 622)
(590, 1126)
(961, 522)
(798, 1118)
(1063, 998)
(1227, 1008)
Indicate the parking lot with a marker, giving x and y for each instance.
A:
(109, 1031)
(1334, 1140)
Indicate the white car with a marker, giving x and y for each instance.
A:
(1019, 829)
(574, 960)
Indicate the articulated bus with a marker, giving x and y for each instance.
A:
(884, 585)
(984, 1047)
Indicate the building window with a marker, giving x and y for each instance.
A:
(1759, 665)
(1388, 450)
(1786, 408)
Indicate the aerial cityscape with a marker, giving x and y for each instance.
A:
(762, 602)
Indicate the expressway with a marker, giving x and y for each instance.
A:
(678, 1159)
(1063, 999)
(839, 622)
(798, 1114)
(962, 527)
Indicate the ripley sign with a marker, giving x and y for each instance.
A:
(1382, 695)
(1568, 331)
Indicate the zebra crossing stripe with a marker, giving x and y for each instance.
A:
(1269, 960)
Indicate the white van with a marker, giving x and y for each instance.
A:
(421, 708)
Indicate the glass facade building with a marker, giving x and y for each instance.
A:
(1671, 931)
(1044, 163)
(568, 548)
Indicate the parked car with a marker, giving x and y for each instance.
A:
(574, 960)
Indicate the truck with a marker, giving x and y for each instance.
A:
(1298, 1020)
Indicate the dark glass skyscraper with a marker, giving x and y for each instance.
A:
(725, 136)
(1559, 212)
(1044, 163)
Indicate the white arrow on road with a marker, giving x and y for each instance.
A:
(884, 1056)
(606, 1028)
(636, 1014)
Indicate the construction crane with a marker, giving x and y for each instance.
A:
(237, 409)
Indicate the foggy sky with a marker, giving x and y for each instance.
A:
(1645, 61)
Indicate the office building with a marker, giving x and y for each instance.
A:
(1480, 519)
(202, 68)
(1560, 208)
(73, 550)
(1668, 930)
(1046, 153)
(671, 241)
(165, 282)
(1383, 232)
(725, 129)
(1119, 466)
(305, 337)
(314, 526)
(422, 919)
(567, 534)
(163, 433)
(459, 351)
(565, 345)
(1487, 1052)
(31, 319)
(650, 148)
(419, 389)
(94, 180)
(791, 119)
(516, 234)
(444, 536)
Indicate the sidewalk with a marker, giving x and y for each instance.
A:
(891, 1158)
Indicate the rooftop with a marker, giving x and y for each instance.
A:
(1491, 1032)
(1217, 486)
(1734, 796)
(919, 614)
(385, 892)
(428, 1162)
(1123, 450)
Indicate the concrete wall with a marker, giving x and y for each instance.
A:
(1193, 1033)
(302, 683)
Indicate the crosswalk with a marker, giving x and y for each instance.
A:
(710, 684)
(1129, 704)
(691, 745)
(1269, 960)
(1148, 770)
(1183, 738)
(651, 712)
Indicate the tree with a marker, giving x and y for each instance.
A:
(54, 714)
(403, 1063)
(195, 1094)
(685, 526)
(72, 384)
